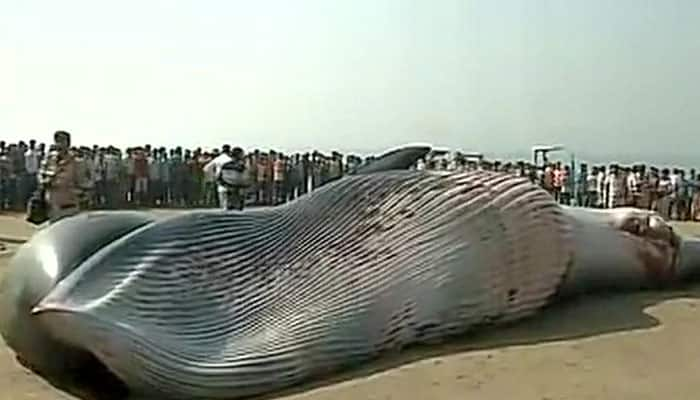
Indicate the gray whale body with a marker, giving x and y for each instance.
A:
(221, 305)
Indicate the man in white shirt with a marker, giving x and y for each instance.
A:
(32, 162)
(675, 187)
(612, 188)
(632, 183)
(601, 188)
(215, 167)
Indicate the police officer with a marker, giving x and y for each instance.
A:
(60, 186)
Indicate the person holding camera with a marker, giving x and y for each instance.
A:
(229, 170)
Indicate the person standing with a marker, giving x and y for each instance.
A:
(229, 170)
(684, 197)
(269, 177)
(651, 187)
(59, 179)
(32, 160)
(694, 183)
(591, 188)
(290, 184)
(675, 187)
(548, 180)
(261, 179)
(197, 183)
(154, 178)
(5, 170)
(315, 170)
(305, 174)
(13, 181)
(208, 180)
(141, 170)
(97, 174)
(612, 188)
(112, 170)
(83, 160)
(278, 176)
(564, 177)
(580, 185)
(664, 192)
(177, 178)
(632, 190)
(180, 175)
(166, 182)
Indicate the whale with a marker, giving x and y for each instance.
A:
(213, 304)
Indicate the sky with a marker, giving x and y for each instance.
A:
(604, 78)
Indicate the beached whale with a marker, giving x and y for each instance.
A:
(221, 305)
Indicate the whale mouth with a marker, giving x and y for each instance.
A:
(90, 380)
(623, 249)
(658, 245)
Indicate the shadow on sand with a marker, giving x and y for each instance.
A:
(581, 317)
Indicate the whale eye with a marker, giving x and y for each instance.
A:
(649, 226)
(635, 225)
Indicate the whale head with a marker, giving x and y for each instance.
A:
(625, 248)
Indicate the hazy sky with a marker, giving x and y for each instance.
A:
(495, 76)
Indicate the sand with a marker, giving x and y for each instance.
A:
(629, 346)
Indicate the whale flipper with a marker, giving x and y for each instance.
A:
(51, 255)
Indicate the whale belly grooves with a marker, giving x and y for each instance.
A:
(219, 304)
(38, 266)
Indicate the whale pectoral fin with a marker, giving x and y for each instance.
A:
(50, 257)
(402, 158)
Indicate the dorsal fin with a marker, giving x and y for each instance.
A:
(401, 158)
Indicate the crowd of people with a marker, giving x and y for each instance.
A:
(672, 192)
(152, 176)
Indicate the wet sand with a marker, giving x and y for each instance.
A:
(607, 347)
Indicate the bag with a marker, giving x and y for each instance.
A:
(233, 174)
(37, 209)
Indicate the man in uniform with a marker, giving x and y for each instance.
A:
(60, 183)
